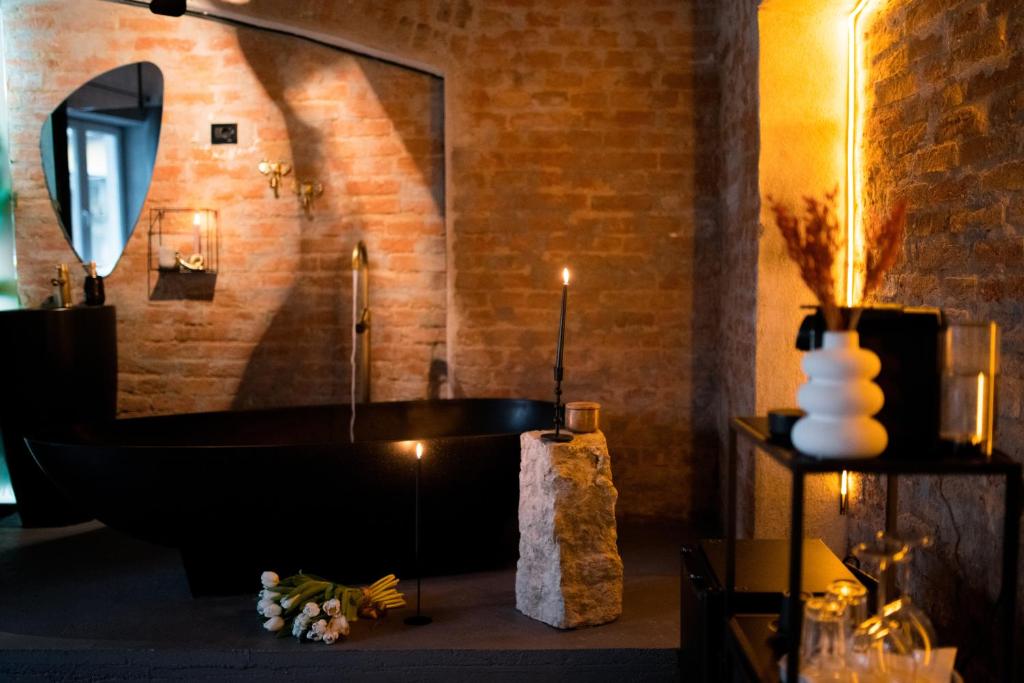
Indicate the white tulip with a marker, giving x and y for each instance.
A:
(263, 605)
(288, 602)
(269, 595)
(272, 610)
(332, 608)
(274, 624)
(269, 579)
(340, 625)
(311, 609)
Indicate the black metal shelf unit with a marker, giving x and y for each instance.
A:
(755, 430)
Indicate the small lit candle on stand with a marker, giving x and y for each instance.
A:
(558, 436)
(418, 619)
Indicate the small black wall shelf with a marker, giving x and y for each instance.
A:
(184, 253)
(187, 233)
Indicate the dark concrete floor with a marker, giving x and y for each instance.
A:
(87, 603)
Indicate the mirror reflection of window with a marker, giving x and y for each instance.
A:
(98, 227)
(98, 150)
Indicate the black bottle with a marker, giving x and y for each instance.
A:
(94, 295)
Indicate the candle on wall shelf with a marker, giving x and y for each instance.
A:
(197, 242)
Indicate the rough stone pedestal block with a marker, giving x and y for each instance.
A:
(570, 572)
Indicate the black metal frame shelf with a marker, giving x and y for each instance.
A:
(755, 430)
(208, 235)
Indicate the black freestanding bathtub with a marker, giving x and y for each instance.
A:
(284, 489)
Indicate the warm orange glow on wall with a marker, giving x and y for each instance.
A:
(855, 245)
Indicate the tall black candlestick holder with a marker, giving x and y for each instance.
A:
(419, 619)
(557, 436)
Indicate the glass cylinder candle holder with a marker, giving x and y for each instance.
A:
(970, 367)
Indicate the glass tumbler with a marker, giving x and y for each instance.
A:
(823, 650)
(970, 366)
(854, 596)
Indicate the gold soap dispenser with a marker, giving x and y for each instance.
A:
(62, 287)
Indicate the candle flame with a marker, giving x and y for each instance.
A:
(419, 450)
(565, 276)
(980, 417)
(844, 488)
(196, 220)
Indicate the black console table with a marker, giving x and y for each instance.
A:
(755, 430)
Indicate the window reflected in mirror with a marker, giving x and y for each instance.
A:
(98, 150)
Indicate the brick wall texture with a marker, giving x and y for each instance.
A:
(945, 130)
(570, 138)
(275, 331)
(734, 247)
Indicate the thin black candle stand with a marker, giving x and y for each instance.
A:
(418, 619)
(557, 436)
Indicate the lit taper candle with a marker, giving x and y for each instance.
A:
(561, 325)
(557, 435)
(197, 242)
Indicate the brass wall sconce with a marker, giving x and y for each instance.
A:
(308, 190)
(275, 170)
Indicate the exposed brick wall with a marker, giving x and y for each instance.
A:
(571, 139)
(277, 328)
(736, 248)
(945, 130)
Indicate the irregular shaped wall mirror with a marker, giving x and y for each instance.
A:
(98, 149)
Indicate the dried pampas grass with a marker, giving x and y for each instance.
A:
(815, 242)
(814, 245)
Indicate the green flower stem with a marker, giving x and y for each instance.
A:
(302, 595)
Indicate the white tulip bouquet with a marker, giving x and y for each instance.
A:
(322, 610)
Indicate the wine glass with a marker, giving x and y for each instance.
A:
(883, 646)
(912, 618)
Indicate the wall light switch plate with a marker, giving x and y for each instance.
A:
(224, 133)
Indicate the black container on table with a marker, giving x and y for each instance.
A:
(906, 340)
(59, 368)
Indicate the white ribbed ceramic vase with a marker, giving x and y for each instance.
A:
(840, 399)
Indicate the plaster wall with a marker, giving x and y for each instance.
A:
(803, 128)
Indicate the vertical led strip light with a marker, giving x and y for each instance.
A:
(854, 226)
(854, 229)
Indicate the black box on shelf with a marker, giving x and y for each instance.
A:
(906, 340)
